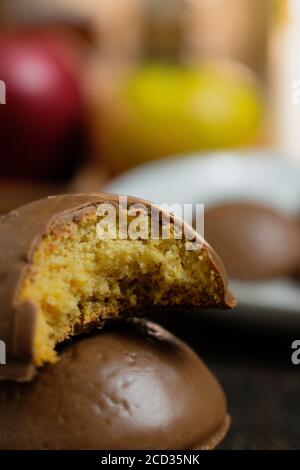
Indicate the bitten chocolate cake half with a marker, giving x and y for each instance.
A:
(59, 276)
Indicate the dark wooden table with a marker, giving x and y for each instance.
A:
(253, 363)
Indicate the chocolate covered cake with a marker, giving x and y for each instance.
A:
(59, 278)
(255, 241)
(131, 386)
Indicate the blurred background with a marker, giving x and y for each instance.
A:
(177, 101)
(95, 88)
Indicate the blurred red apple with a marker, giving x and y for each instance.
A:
(40, 124)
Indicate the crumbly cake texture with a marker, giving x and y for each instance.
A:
(70, 280)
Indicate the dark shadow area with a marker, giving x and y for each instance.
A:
(254, 365)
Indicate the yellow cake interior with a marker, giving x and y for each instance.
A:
(77, 279)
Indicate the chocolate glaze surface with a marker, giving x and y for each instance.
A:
(254, 241)
(133, 386)
(20, 232)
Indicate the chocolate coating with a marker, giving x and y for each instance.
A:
(132, 387)
(254, 241)
(20, 232)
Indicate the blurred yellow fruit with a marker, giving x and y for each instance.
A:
(167, 109)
